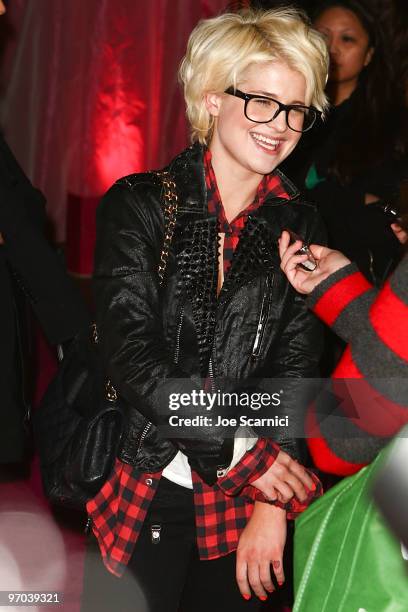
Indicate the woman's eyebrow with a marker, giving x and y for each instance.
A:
(321, 28)
(272, 95)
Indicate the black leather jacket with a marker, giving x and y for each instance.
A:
(151, 336)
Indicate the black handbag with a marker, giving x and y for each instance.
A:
(79, 423)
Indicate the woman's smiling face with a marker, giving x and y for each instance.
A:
(252, 147)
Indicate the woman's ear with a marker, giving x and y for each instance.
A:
(213, 103)
(369, 56)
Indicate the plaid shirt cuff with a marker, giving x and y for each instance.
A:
(294, 507)
(253, 464)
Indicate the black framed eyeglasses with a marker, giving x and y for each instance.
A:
(261, 109)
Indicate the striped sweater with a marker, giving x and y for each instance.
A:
(366, 401)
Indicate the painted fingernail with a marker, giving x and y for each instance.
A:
(246, 596)
(263, 598)
(280, 583)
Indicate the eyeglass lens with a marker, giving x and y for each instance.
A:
(262, 110)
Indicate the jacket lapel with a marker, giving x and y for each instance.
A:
(255, 255)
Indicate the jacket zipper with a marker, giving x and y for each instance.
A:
(263, 315)
(211, 374)
(142, 436)
(177, 346)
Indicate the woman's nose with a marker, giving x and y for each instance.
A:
(279, 123)
(333, 48)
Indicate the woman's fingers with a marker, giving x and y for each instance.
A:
(285, 490)
(296, 485)
(283, 243)
(242, 577)
(286, 250)
(300, 472)
(265, 576)
(254, 579)
(278, 570)
(294, 474)
(269, 489)
(261, 545)
(257, 576)
(272, 494)
(319, 251)
(292, 262)
(290, 252)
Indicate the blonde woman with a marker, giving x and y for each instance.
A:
(200, 523)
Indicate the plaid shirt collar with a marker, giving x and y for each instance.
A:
(271, 184)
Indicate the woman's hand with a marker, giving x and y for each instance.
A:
(261, 546)
(328, 261)
(1, 239)
(284, 479)
(400, 233)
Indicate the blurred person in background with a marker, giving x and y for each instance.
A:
(394, 15)
(352, 166)
(31, 273)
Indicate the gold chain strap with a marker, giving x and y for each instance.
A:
(170, 217)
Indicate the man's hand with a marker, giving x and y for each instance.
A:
(328, 261)
(284, 479)
(261, 546)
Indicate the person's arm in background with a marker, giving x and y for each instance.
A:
(35, 265)
(375, 324)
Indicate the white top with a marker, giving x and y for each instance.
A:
(179, 471)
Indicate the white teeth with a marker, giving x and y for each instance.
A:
(268, 142)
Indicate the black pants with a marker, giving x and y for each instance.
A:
(167, 576)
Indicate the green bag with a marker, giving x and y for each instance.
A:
(346, 559)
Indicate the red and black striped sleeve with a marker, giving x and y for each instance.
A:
(353, 419)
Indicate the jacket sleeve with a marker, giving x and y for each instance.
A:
(129, 319)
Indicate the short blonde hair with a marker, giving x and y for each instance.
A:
(221, 49)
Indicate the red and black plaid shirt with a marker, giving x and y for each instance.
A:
(222, 511)
(270, 184)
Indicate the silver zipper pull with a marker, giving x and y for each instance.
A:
(257, 337)
(155, 531)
